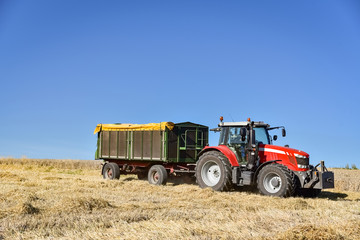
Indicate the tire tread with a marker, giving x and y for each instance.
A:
(290, 179)
(227, 185)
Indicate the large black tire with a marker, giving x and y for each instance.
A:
(213, 170)
(111, 171)
(157, 175)
(276, 180)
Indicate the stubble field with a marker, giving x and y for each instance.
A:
(67, 199)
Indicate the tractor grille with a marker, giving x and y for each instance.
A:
(302, 161)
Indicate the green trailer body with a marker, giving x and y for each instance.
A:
(181, 144)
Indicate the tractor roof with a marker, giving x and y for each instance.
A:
(242, 124)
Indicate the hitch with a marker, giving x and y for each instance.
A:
(322, 166)
(320, 179)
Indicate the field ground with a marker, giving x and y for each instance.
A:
(67, 199)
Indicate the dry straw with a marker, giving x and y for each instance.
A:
(67, 199)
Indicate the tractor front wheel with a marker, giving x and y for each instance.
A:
(213, 170)
(276, 180)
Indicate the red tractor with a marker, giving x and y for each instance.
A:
(246, 156)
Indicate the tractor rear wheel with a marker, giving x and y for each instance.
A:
(213, 170)
(276, 180)
(157, 175)
(111, 171)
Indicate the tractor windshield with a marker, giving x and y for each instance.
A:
(231, 135)
(261, 135)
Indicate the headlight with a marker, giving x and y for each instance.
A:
(299, 156)
(302, 166)
(302, 161)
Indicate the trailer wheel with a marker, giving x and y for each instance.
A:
(157, 175)
(213, 170)
(111, 171)
(276, 180)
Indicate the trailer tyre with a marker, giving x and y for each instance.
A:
(276, 180)
(111, 171)
(157, 175)
(213, 170)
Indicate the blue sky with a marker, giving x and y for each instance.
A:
(67, 65)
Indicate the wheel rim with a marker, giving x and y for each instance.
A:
(155, 176)
(109, 173)
(210, 173)
(272, 183)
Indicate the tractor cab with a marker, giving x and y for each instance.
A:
(245, 138)
(236, 133)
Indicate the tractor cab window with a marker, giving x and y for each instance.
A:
(224, 136)
(234, 136)
(231, 135)
(261, 135)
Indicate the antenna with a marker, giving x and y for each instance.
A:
(231, 117)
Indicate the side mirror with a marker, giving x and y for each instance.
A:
(243, 134)
(216, 129)
(283, 132)
(275, 137)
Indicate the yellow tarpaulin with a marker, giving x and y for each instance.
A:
(134, 127)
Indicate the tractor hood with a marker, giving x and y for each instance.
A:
(294, 159)
(281, 150)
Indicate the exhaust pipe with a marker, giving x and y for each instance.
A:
(251, 149)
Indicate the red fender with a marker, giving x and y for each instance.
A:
(224, 150)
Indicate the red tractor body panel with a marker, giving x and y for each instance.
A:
(284, 154)
(226, 151)
(266, 153)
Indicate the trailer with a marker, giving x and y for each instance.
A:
(151, 151)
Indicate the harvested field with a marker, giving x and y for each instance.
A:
(68, 199)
